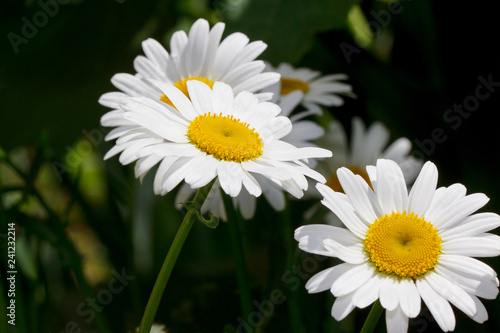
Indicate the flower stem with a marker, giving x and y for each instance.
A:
(373, 316)
(293, 302)
(239, 257)
(171, 258)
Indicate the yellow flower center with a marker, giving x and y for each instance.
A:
(181, 85)
(403, 244)
(225, 137)
(334, 182)
(288, 85)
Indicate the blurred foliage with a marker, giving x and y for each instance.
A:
(80, 221)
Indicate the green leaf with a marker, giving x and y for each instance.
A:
(289, 27)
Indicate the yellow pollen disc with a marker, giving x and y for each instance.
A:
(334, 182)
(181, 85)
(225, 137)
(403, 244)
(289, 85)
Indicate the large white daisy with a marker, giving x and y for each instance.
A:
(302, 135)
(401, 248)
(212, 134)
(318, 90)
(199, 55)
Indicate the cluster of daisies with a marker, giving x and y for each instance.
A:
(209, 110)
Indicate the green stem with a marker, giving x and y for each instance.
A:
(239, 257)
(373, 316)
(293, 302)
(171, 258)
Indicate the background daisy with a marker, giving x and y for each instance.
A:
(199, 55)
(318, 90)
(400, 248)
(365, 146)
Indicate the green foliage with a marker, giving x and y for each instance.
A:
(289, 27)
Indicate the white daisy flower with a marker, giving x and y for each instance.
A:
(198, 56)
(212, 134)
(365, 147)
(302, 134)
(402, 247)
(318, 90)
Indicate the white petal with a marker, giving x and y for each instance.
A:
(227, 51)
(487, 245)
(223, 99)
(321, 281)
(246, 204)
(467, 265)
(369, 292)
(342, 307)
(229, 175)
(275, 129)
(409, 298)
(389, 296)
(243, 72)
(213, 44)
(156, 53)
(396, 321)
(357, 194)
(484, 288)
(352, 279)
(176, 173)
(181, 102)
(129, 84)
(351, 254)
(176, 67)
(146, 68)
(472, 226)
(290, 101)
(443, 198)
(311, 238)
(133, 148)
(250, 52)
(481, 314)
(422, 192)
(159, 125)
(197, 177)
(174, 149)
(250, 184)
(439, 307)
(115, 118)
(455, 295)
(391, 187)
(273, 193)
(112, 99)
(339, 205)
(459, 210)
(165, 164)
(201, 97)
(144, 164)
(196, 47)
(257, 82)
(291, 153)
(265, 170)
(245, 101)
